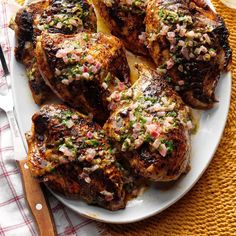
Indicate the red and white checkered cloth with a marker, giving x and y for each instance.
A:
(15, 217)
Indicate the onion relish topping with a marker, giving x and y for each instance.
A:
(81, 141)
(188, 37)
(66, 16)
(147, 118)
(79, 63)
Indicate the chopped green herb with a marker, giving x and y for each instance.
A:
(169, 145)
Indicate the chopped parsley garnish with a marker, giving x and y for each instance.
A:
(169, 145)
(171, 113)
(94, 143)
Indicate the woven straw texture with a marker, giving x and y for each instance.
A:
(210, 207)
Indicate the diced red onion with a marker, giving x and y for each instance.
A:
(185, 53)
(65, 81)
(161, 113)
(164, 30)
(69, 123)
(85, 75)
(98, 65)
(65, 59)
(108, 195)
(181, 43)
(142, 37)
(59, 25)
(104, 85)
(163, 149)
(189, 125)
(181, 82)
(85, 68)
(190, 34)
(170, 63)
(90, 59)
(89, 134)
(90, 154)
(172, 48)
(148, 119)
(207, 38)
(94, 69)
(182, 32)
(156, 143)
(181, 68)
(169, 118)
(87, 179)
(74, 117)
(57, 72)
(121, 86)
(171, 34)
(191, 55)
(138, 142)
(153, 129)
(66, 151)
(203, 49)
(137, 127)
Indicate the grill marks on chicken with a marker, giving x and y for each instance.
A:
(70, 154)
(189, 43)
(126, 21)
(63, 16)
(83, 69)
(150, 126)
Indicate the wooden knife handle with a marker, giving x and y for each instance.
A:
(37, 202)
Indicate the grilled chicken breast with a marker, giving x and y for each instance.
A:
(83, 69)
(150, 126)
(126, 21)
(54, 16)
(189, 43)
(70, 154)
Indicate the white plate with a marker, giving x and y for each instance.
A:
(154, 200)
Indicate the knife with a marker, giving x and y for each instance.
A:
(33, 193)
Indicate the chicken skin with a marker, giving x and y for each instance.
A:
(71, 155)
(54, 16)
(150, 126)
(189, 44)
(83, 69)
(126, 21)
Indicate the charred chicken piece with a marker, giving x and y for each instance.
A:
(150, 126)
(64, 16)
(189, 43)
(70, 154)
(126, 21)
(83, 69)
(39, 90)
(24, 52)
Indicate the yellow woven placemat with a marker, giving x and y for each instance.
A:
(210, 207)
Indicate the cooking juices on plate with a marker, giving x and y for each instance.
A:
(144, 130)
